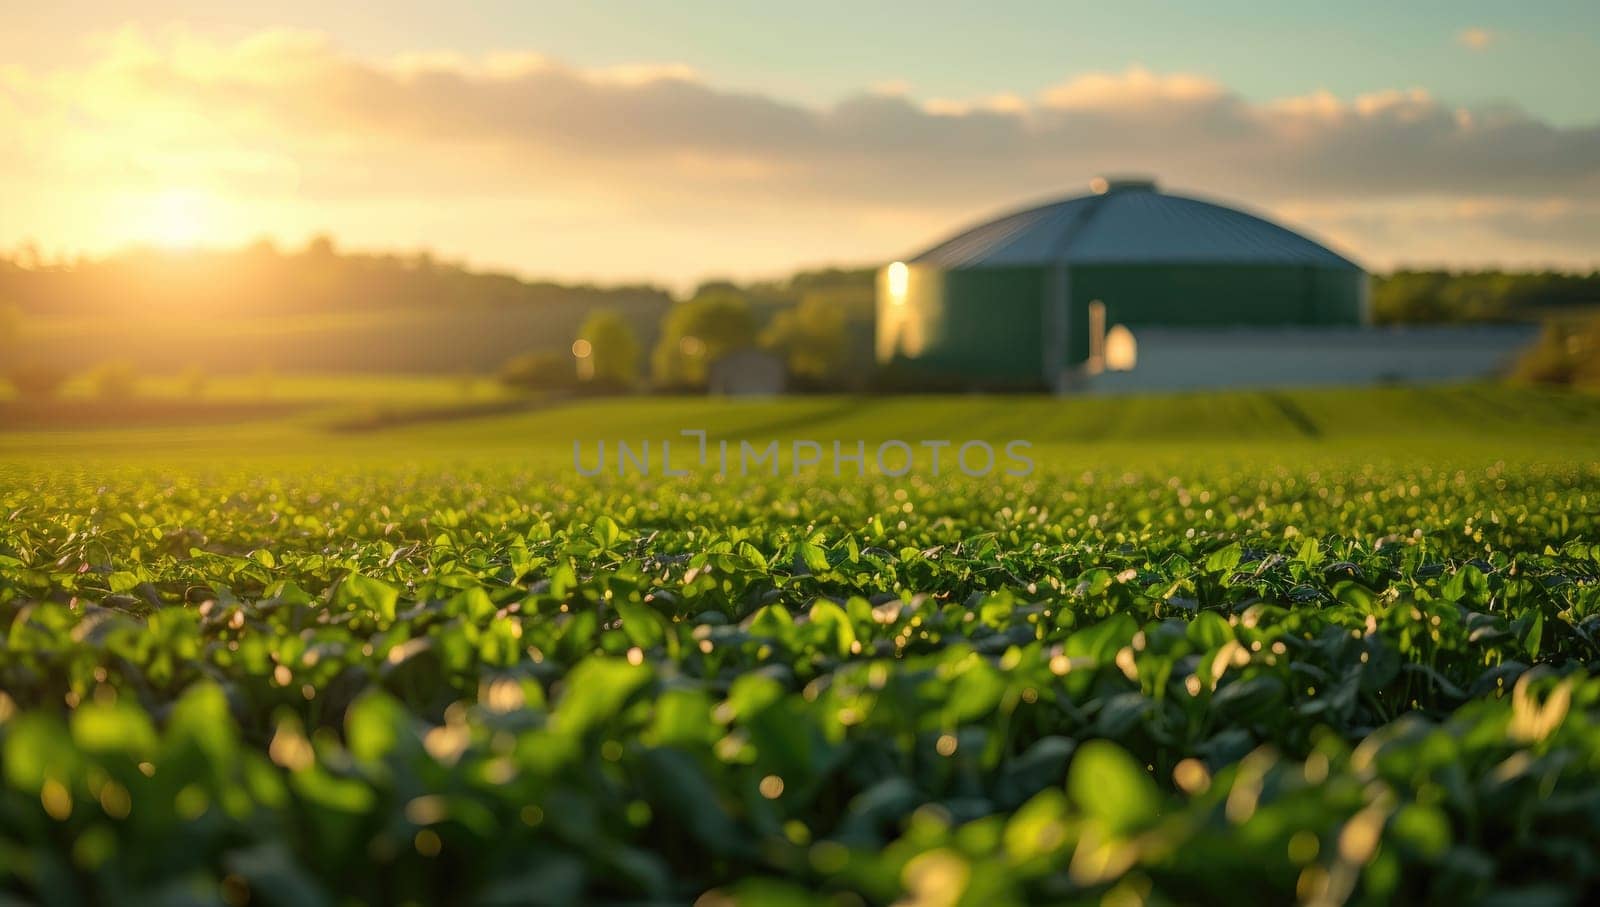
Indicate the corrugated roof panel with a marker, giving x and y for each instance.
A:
(1152, 227)
(1129, 225)
(1025, 238)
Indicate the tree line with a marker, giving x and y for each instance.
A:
(817, 324)
(1423, 297)
(322, 309)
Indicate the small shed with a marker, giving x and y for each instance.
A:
(747, 372)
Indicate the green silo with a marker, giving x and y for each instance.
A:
(1015, 302)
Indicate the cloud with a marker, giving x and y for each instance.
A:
(659, 151)
(893, 88)
(1475, 38)
(1136, 87)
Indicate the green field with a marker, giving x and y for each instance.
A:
(1256, 647)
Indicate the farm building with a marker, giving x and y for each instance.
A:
(1029, 300)
(747, 372)
(1058, 296)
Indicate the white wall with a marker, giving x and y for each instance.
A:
(1289, 357)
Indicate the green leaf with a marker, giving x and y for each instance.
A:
(113, 727)
(833, 620)
(643, 626)
(1310, 553)
(374, 726)
(1038, 829)
(594, 691)
(606, 532)
(1223, 560)
(813, 556)
(364, 592)
(36, 747)
(1109, 785)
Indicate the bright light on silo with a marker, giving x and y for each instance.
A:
(899, 279)
(1122, 350)
(582, 348)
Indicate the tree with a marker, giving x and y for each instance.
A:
(716, 287)
(321, 248)
(607, 351)
(37, 380)
(812, 339)
(31, 377)
(541, 371)
(1567, 352)
(698, 332)
(114, 380)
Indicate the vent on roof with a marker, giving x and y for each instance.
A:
(1100, 185)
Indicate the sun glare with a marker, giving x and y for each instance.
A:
(177, 218)
(899, 281)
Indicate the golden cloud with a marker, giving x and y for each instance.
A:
(285, 121)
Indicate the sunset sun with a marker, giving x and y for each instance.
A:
(178, 218)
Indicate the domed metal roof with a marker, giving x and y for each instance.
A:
(1130, 222)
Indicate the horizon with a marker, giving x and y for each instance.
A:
(18, 255)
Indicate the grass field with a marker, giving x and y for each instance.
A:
(1262, 647)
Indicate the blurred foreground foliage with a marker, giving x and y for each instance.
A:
(1329, 682)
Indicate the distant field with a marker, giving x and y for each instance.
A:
(469, 338)
(224, 403)
(1472, 420)
(1325, 646)
(264, 386)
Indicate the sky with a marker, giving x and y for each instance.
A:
(634, 140)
